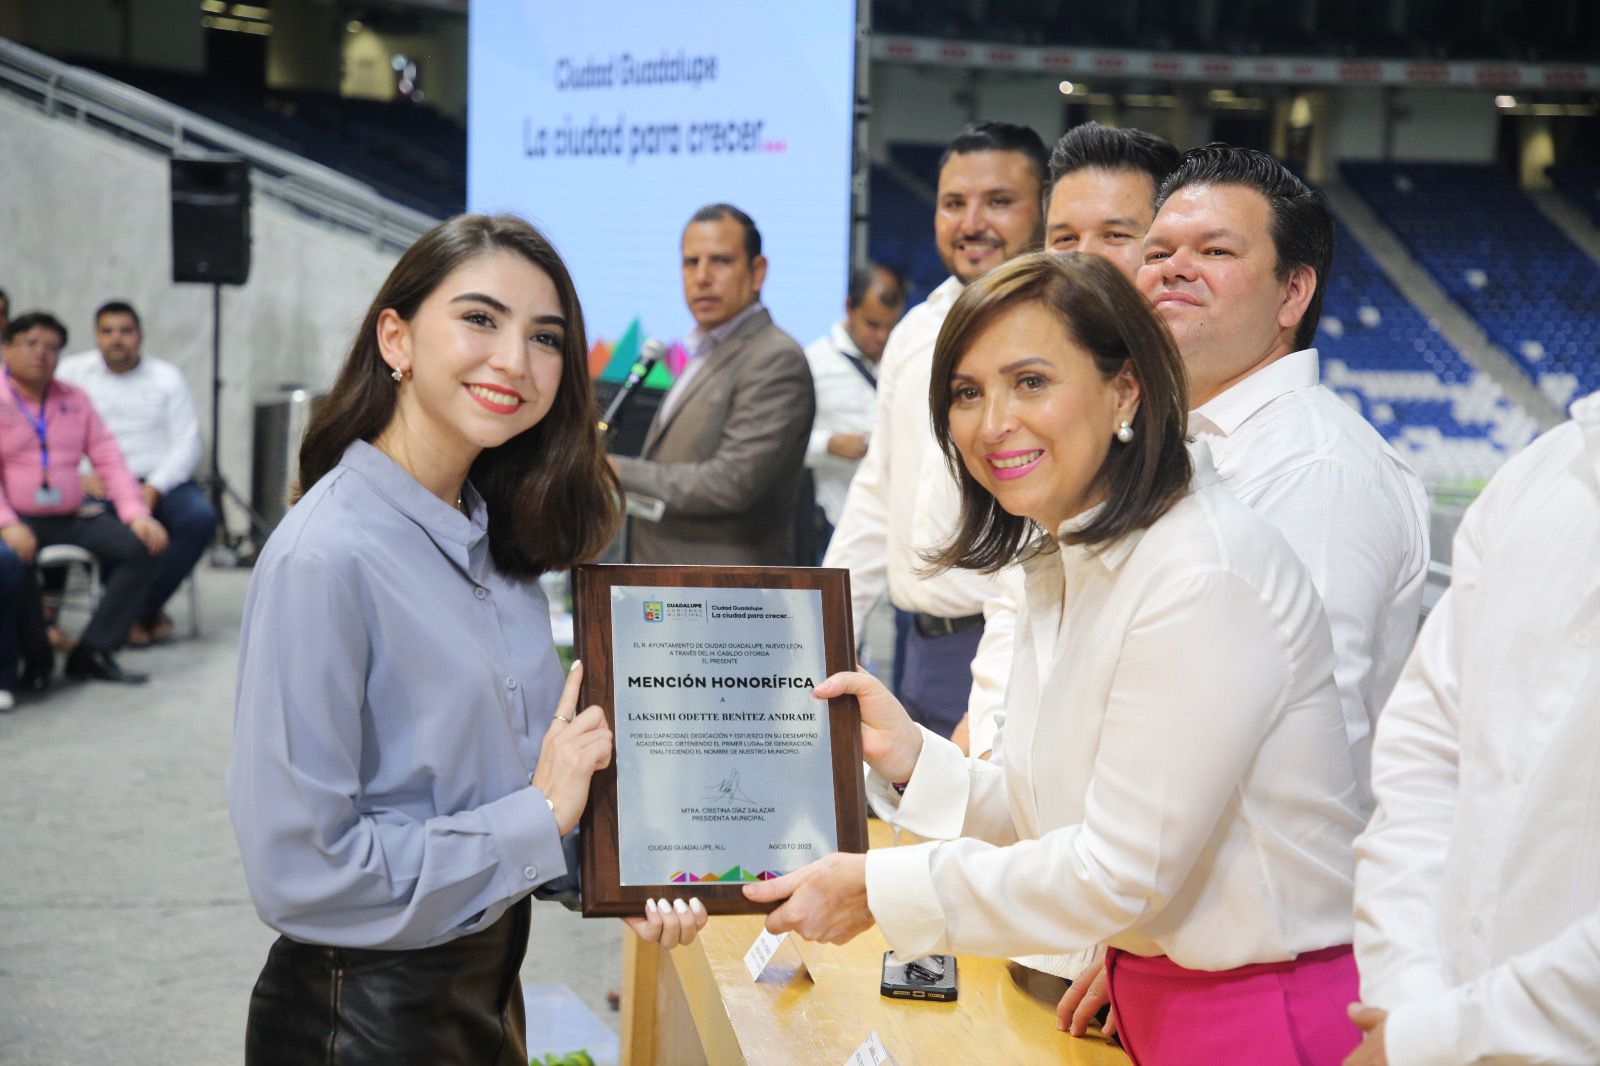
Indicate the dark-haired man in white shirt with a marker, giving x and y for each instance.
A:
(1236, 262)
(903, 500)
(145, 403)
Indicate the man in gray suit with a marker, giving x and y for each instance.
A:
(725, 452)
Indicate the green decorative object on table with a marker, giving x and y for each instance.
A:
(576, 1058)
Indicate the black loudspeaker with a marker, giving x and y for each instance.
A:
(211, 220)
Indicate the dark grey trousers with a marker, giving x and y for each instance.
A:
(131, 567)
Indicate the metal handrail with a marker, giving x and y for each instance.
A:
(61, 90)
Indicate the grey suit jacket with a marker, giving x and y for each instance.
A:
(728, 460)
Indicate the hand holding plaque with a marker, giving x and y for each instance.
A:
(891, 742)
(826, 901)
(670, 923)
(575, 747)
(727, 770)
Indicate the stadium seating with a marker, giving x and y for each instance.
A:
(900, 232)
(920, 160)
(1581, 185)
(1551, 31)
(1496, 254)
(1449, 420)
(408, 153)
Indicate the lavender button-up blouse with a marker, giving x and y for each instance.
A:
(393, 691)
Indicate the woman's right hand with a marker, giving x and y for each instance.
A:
(574, 748)
(891, 742)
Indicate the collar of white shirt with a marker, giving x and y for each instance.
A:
(90, 363)
(1113, 554)
(840, 338)
(1230, 410)
(946, 293)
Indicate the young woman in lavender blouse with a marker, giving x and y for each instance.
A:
(407, 754)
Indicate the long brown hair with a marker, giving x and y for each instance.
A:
(551, 494)
(1107, 317)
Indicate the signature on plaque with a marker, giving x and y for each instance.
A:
(728, 790)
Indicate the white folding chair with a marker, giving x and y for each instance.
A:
(81, 593)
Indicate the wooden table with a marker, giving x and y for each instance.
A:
(698, 1004)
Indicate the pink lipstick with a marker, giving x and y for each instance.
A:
(1009, 465)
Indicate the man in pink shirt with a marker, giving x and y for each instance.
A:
(46, 428)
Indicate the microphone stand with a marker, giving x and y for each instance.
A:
(649, 355)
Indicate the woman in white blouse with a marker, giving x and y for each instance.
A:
(1172, 777)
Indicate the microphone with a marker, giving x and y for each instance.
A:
(650, 354)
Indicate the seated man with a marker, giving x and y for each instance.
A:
(146, 405)
(46, 427)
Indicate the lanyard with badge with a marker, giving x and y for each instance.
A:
(860, 366)
(45, 495)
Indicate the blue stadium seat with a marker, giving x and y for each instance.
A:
(1450, 421)
(900, 231)
(1496, 254)
(1581, 185)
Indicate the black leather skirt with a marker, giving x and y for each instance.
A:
(455, 1003)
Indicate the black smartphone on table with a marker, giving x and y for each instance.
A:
(931, 978)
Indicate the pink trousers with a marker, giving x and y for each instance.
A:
(1291, 1013)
